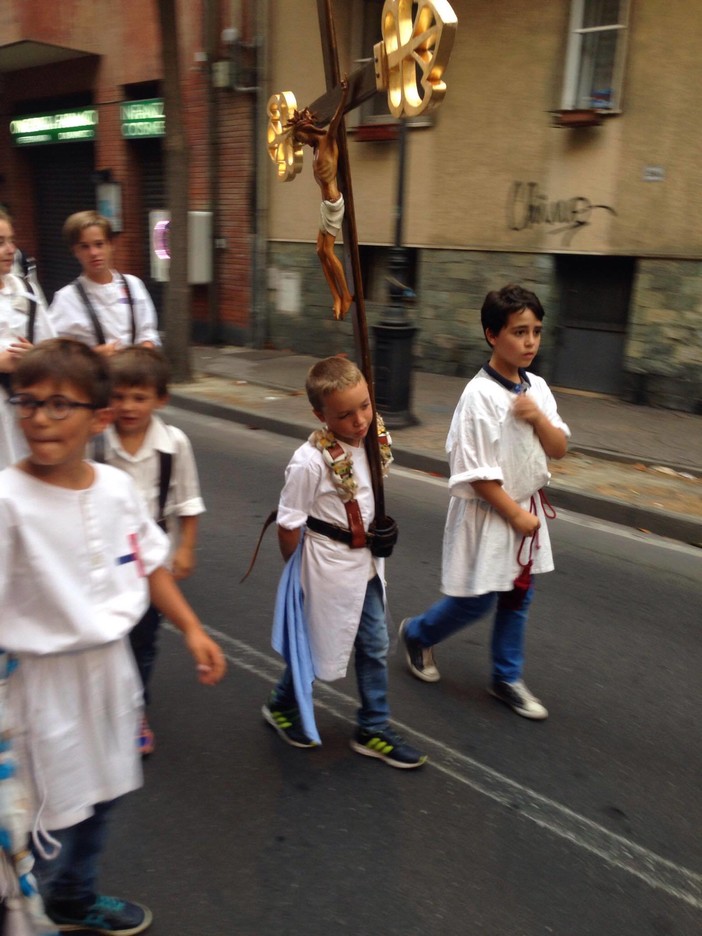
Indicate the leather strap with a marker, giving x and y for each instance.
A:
(268, 521)
(358, 532)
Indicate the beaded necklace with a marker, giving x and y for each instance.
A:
(341, 462)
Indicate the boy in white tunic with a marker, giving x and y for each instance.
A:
(159, 458)
(105, 309)
(505, 428)
(79, 559)
(328, 493)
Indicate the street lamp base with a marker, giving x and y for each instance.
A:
(393, 373)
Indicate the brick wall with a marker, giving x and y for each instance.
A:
(125, 50)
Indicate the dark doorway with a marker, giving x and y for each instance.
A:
(63, 184)
(594, 294)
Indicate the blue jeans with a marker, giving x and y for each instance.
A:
(68, 882)
(371, 659)
(143, 638)
(451, 614)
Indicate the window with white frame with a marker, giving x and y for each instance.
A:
(376, 109)
(595, 55)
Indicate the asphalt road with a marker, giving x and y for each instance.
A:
(584, 825)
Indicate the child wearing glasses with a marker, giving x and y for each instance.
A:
(80, 558)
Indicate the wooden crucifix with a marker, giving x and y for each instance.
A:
(408, 64)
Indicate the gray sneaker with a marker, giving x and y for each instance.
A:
(420, 660)
(519, 699)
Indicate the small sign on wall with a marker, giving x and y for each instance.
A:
(654, 174)
(108, 196)
(288, 292)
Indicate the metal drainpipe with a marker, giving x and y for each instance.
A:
(259, 259)
(214, 318)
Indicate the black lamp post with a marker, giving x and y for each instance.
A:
(394, 334)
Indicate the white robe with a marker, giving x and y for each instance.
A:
(14, 317)
(72, 586)
(486, 443)
(334, 576)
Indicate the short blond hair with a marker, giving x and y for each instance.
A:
(76, 223)
(329, 375)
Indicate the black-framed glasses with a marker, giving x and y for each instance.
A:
(57, 406)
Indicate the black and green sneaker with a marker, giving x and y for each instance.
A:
(107, 915)
(286, 722)
(388, 746)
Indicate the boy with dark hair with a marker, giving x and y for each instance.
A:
(103, 308)
(505, 428)
(79, 559)
(160, 460)
(325, 510)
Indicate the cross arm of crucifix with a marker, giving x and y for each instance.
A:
(408, 64)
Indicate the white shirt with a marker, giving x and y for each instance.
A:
(487, 443)
(334, 576)
(144, 467)
(111, 304)
(14, 319)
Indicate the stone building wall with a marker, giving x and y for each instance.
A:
(663, 358)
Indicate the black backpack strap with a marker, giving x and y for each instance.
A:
(164, 482)
(99, 448)
(99, 333)
(32, 317)
(131, 305)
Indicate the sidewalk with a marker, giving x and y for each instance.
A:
(634, 465)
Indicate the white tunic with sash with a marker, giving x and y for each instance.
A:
(487, 443)
(334, 576)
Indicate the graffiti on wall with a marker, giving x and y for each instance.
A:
(528, 206)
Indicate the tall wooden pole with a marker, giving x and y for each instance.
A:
(332, 75)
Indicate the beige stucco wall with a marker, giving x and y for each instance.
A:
(495, 129)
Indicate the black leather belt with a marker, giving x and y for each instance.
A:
(331, 530)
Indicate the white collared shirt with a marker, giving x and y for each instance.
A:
(110, 301)
(144, 467)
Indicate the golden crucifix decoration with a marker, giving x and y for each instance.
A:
(408, 64)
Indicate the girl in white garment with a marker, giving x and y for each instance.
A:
(23, 323)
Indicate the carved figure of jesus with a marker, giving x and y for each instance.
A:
(325, 161)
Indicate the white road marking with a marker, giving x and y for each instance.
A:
(616, 850)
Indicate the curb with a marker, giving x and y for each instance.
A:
(661, 522)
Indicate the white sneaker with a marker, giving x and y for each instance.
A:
(420, 660)
(519, 699)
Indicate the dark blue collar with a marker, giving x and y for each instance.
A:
(509, 384)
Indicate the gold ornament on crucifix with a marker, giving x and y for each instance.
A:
(414, 47)
(409, 65)
(282, 148)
